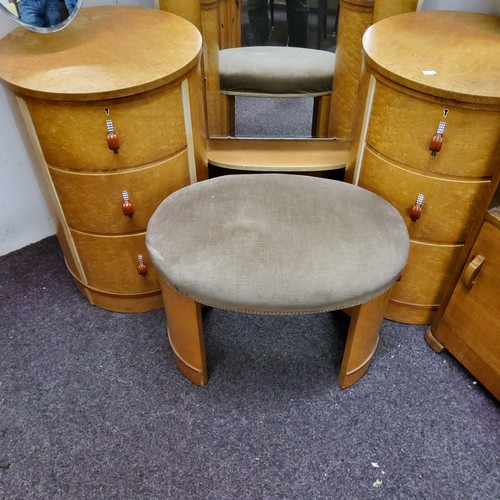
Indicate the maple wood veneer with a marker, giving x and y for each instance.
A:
(139, 68)
(428, 123)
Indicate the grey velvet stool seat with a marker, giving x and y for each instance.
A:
(278, 72)
(276, 244)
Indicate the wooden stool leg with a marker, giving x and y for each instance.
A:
(185, 334)
(228, 118)
(321, 116)
(362, 339)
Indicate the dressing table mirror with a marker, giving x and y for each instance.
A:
(41, 16)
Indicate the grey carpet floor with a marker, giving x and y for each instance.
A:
(92, 407)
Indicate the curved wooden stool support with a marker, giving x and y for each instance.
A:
(185, 334)
(362, 339)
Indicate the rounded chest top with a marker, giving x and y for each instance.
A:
(106, 52)
(447, 54)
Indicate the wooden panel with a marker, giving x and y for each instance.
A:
(93, 202)
(387, 8)
(354, 18)
(448, 208)
(278, 155)
(472, 320)
(469, 138)
(110, 262)
(410, 314)
(426, 274)
(149, 127)
(106, 52)
(440, 42)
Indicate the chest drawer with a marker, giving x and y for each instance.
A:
(73, 135)
(110, 263)
(402, 125)
(424, 259)
(93, 202)
(448, 207)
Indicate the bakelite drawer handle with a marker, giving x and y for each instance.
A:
(416, 210)
(471, 271)
(141, 268)
(127, 207)
(437, 139)
(112, 138)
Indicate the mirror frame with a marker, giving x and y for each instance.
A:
(38, 29)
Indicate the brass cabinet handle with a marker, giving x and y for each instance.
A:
(472, 270)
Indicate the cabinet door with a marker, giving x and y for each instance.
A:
(470, 328)
(73, 135)
(402, 125)
(93, 202)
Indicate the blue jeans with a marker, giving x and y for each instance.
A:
(41, 13)
(297, 12)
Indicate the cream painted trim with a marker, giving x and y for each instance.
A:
(44, 168)
(186, 109)
(364, 129)
(419, 4)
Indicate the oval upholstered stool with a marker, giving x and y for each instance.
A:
(276, 244)
(278, 72)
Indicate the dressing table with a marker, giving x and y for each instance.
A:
(113, 107)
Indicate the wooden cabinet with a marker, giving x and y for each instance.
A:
(128, 72)
(426, 138)
(470, 325)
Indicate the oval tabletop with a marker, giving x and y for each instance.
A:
(277, 243)
(448, 54)
(106, 52)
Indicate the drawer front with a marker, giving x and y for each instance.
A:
(93, 202)
(426, 275)
(73, 135)
(401, 127)
(110, 263)
(449, 205)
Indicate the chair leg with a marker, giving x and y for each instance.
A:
(362, 339)
(321, 116)
(228, 110)
(185, 334)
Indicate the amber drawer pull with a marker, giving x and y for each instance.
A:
(416, 210)
(141, 268)
(127, 207)
(472, 270)
(437, 139)
(112, 138)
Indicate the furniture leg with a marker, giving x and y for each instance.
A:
(228, 111)
(321, 116)
(185, 334)
(362, 339)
